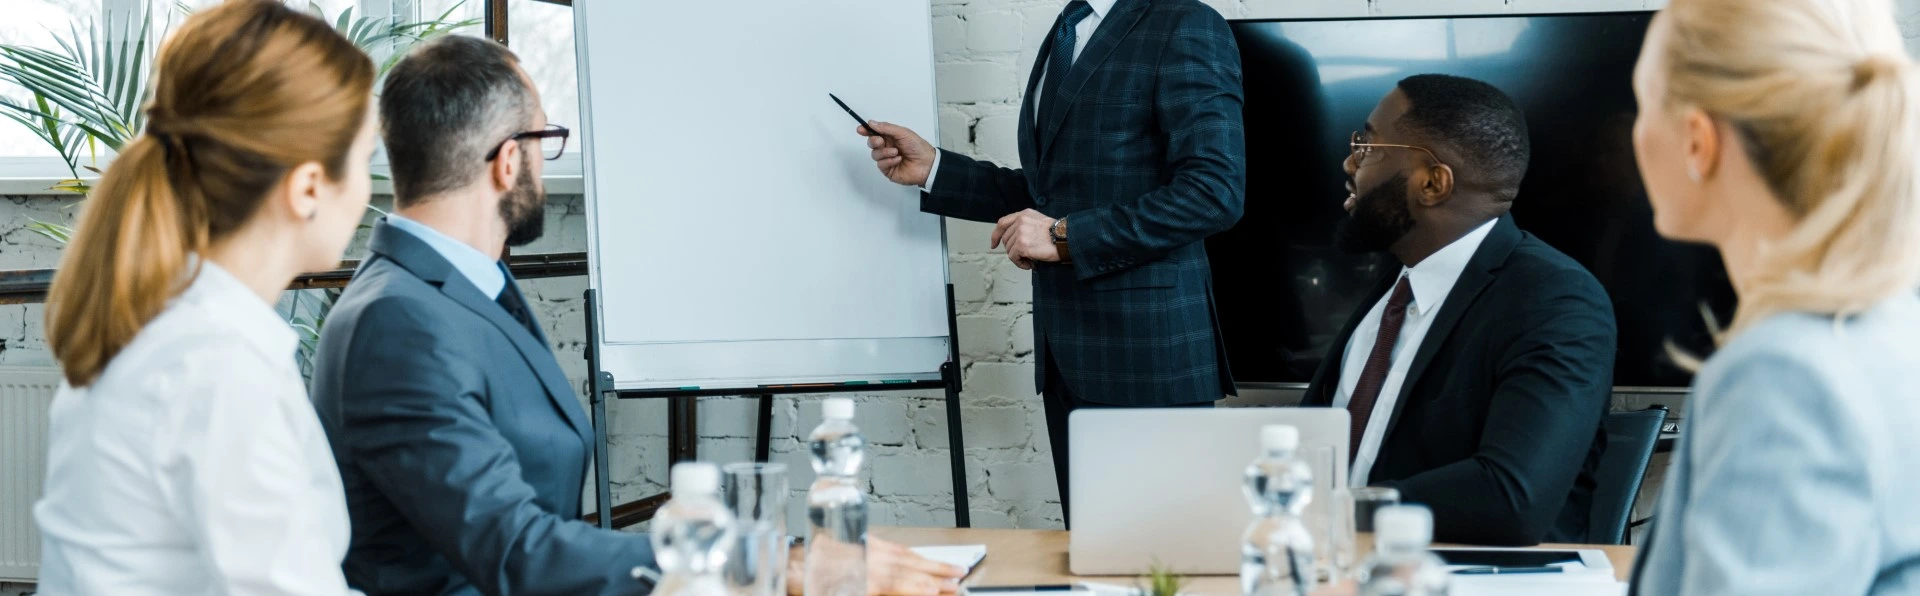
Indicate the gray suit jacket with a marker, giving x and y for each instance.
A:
(1794, 472)
(461, 445)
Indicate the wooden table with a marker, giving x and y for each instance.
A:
(1035, 557)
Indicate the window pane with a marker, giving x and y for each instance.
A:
(542, 34)
(36, 23)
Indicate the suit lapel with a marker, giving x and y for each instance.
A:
(415, 256)
(1474, 279)
(1113, 30)
(1326, 380)
(1029, 151)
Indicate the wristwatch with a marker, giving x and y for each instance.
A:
(1059, 233)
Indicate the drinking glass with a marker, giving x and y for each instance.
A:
(1344, 546)
(757, 495)
(1320, 514)
(1368, 499)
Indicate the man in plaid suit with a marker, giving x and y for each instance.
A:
(1134, 151)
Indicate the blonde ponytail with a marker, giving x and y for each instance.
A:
(243, 92)
(1824, 98)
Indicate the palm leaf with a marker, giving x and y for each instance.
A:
(52, 231)
(73, 185)
(128, 81)
(56, 77)
(45, 122)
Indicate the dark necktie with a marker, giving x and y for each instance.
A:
(1060, 58)
(515, 305)
(1379, 361)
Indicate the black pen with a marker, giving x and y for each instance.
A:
(1047, 588)
(856, 117)
(1507, 570)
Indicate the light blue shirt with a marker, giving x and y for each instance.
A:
(1794, 472)
(479, 269)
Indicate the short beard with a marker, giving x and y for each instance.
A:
(1380, 218)
(524, 208)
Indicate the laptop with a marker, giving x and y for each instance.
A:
(1165, 486)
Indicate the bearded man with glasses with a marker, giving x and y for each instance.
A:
(1479, 372)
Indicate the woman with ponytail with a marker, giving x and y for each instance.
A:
(185, 457)
(1786, 134)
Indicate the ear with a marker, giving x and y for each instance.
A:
(505, 167)
(301, 190)
(1703, 144)
(1438, 186)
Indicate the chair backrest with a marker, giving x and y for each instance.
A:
(1631, 438)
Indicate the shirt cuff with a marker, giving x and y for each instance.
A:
(928, 187)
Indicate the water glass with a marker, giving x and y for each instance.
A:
(1319, 513)
(757, 495)
(1344, 546)
(1368, 499)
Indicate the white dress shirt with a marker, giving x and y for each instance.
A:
(1431, 280)
(1081, 33)
(194, 464)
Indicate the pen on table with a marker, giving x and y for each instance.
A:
(856, 117)
(1044, 588)
(1506, 570)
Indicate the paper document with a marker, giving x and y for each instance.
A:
(1571, 584)
(964, 556)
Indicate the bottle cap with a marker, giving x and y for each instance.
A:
(1279, 437)
(1403, 525)
(695, 478)
(837, 408)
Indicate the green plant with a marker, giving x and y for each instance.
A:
(1163, 581)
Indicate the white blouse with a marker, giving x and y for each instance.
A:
(195, 463)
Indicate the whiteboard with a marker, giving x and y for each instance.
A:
(739, 233)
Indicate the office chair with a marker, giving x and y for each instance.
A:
(1631, 439)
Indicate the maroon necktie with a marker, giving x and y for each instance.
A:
(1367, 391)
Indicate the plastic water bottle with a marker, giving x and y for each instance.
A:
(692, 533)
(1276, 556)
(836, 507)
(1401, 565)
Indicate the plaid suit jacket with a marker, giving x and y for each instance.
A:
(1143, 151)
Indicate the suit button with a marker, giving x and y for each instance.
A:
(1040, 200)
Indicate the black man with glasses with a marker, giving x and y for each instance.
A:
(1478, 374)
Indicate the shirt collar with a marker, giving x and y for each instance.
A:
(479, 269)
(1101, 7)
(225, 296)
(1434, 277)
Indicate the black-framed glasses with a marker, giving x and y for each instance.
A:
(1362, 150)
(553, 142)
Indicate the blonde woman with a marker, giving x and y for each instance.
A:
(185, 457)
(1783, 132)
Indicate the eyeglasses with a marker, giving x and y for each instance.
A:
(553, 142)
(1362, 150)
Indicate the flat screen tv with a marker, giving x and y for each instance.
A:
(1283, 288)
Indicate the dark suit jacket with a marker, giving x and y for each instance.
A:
(462, 447)
(1497, 427)
(1142, 150)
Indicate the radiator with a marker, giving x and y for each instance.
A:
(25, 397)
